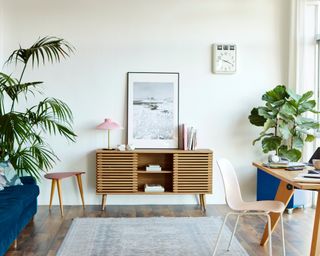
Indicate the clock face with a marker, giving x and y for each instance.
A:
(224, 59)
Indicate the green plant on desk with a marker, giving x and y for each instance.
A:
(283, 120)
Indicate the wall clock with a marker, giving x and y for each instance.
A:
(224, 58)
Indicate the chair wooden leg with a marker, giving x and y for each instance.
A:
(60, 196)
(103, 203)
(80, 188)
(284, 195)
(53, 185)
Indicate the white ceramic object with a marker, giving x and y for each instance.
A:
(130, 147)
(121, 147)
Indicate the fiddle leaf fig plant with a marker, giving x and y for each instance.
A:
(285, 127)
(23, 128)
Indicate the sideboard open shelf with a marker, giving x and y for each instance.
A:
(183, 172)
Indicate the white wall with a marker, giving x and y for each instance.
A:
(113, 37)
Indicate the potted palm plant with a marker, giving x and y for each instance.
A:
(22, 133)
(284, 122)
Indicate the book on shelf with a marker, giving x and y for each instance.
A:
(189, 137)
(153, 188)
(153, 168)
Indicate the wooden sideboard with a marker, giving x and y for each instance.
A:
(183, 172)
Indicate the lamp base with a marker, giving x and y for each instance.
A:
(109, 149)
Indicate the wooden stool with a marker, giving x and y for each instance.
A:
(56, 177)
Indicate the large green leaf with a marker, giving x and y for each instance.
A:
(294, 96)
(265, 112)
(310, 138)
(275, 95)
(293, 155)
(306, 96)
(255, 118)
(288, 109)
(306, 106)
(262, 135)
(284, 131)
(297, 142)
(306, 123)
(271, 143)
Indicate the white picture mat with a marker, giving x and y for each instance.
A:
(153, 78)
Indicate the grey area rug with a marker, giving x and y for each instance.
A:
(159, 236)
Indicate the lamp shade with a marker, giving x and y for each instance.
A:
(108, 124)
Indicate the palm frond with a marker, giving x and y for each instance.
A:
(45, 49)
(57, 108)
(53, 116)
(7, 80)
(14, 88)
(14, 128)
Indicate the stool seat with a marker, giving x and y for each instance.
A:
(56, 178)
(61, 175)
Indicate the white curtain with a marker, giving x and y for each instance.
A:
(296, 44)
(303, 58)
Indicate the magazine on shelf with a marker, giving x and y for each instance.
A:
(189, 137)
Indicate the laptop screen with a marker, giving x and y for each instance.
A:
(316, 155)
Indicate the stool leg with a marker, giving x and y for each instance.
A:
(60, 196)
(53, 185)
(80, 188)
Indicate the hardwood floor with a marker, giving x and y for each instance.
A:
(44, 235)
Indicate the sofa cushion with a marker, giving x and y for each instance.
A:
(24, 194)
(9, 172)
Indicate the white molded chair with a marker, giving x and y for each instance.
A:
(241, 208)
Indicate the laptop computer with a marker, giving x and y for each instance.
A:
(316, 155)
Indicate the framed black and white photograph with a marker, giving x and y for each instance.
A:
(153, 109)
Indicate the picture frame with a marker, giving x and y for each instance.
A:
(153, 109)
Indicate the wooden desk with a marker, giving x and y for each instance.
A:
(284, 194)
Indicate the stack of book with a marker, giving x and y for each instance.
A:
(284, 164)
(189, 137)
(153, 168)
(153, 188)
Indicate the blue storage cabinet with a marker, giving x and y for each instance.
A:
(267, 186)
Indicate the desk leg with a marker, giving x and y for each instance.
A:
(284, 195)
(315, 244)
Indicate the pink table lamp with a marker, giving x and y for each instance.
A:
(108, 125)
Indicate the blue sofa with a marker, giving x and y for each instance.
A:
(18, 204)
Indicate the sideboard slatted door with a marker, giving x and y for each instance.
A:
(192, 173)
(116, 172)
